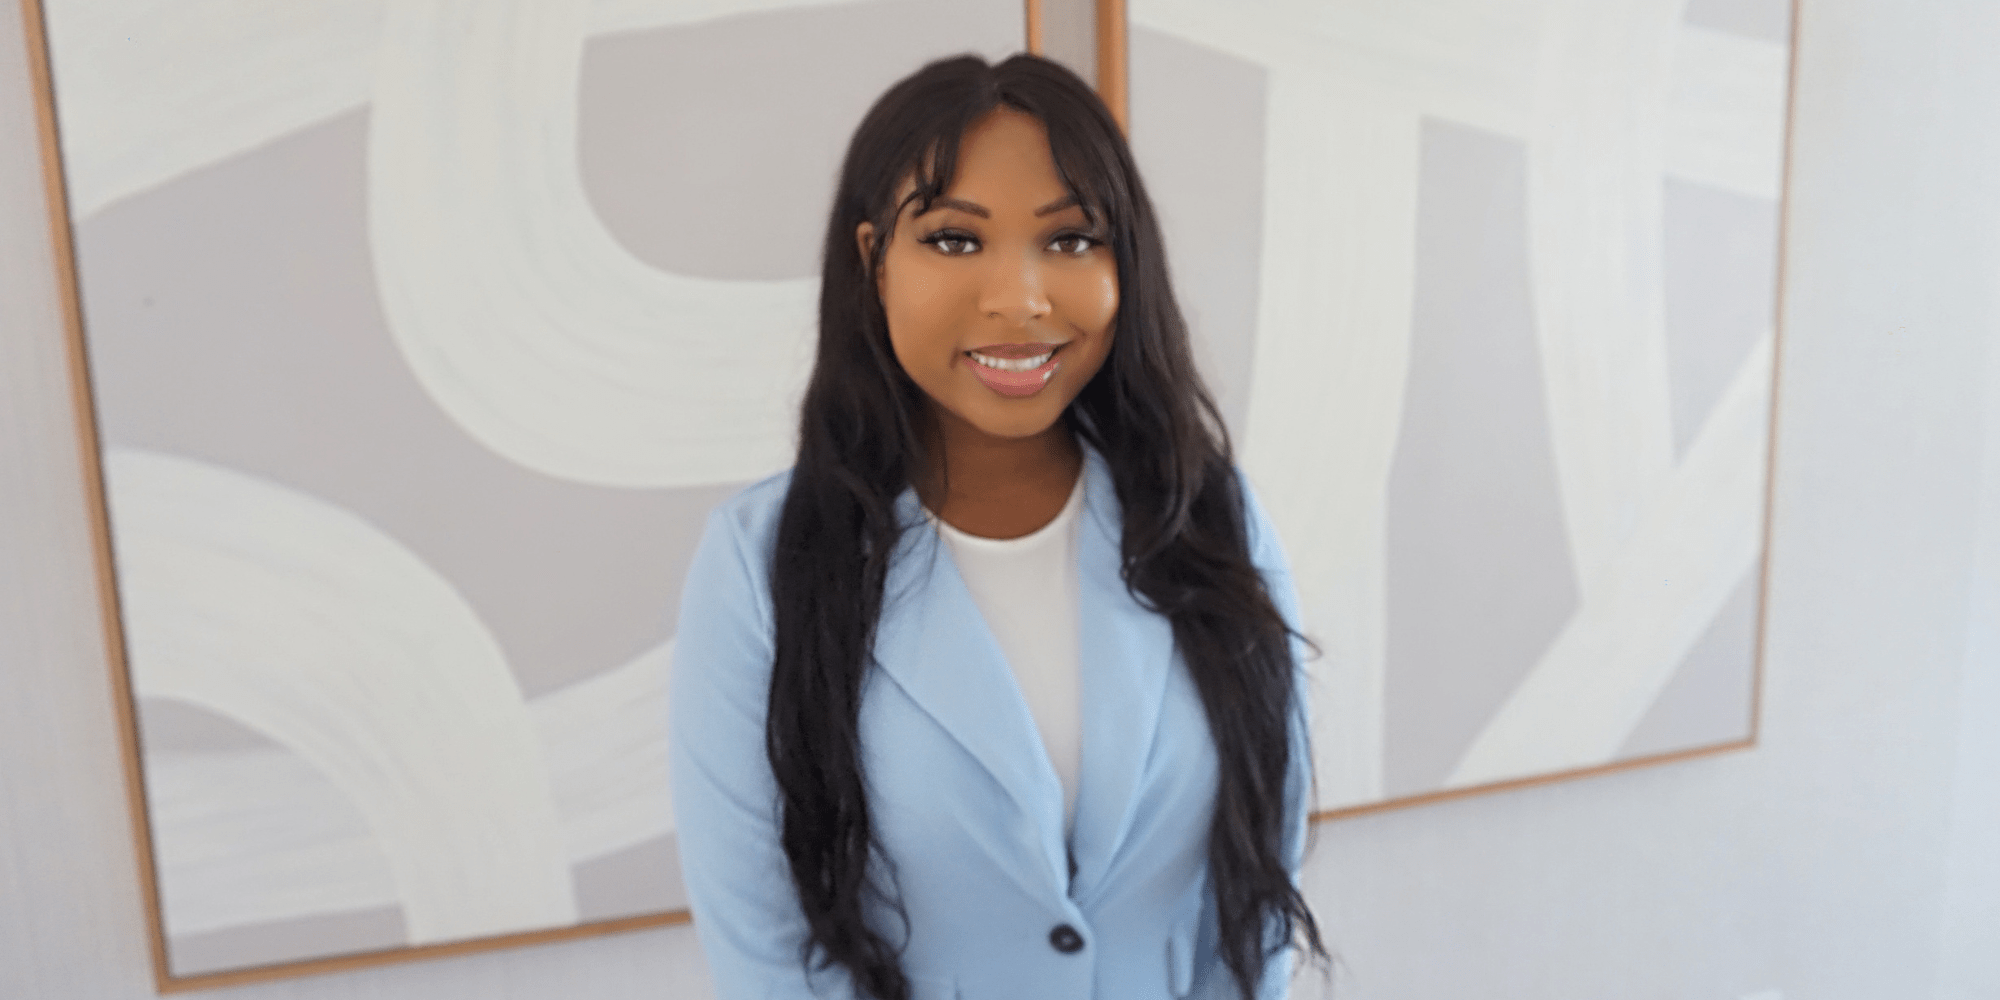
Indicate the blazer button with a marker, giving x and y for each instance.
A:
(1065, 939)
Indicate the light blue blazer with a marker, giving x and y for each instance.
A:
(963, 798)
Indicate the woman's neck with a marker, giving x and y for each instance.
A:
(998, 487)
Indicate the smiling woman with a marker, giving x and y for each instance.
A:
(1000, 300)
(996, 692)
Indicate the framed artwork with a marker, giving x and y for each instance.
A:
(1489, 293)
(415, 340)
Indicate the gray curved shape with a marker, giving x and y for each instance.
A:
(1479, 578)
(1719, 265)
(1198, 135)
(1707, 703)
(232, 318)
(703, 159)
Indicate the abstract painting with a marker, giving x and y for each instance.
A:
(422, 334)
(1488, 292)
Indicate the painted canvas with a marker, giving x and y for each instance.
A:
(1488, 289)
(422, 335)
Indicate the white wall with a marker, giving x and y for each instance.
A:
(1815, 865)
(1969, 968)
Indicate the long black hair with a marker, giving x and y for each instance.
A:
(864, 431)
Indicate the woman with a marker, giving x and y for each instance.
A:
(995, 693)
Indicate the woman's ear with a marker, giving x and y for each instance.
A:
(864, 237)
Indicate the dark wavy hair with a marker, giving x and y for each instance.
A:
(863, 434)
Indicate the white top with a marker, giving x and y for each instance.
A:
(1026, 588)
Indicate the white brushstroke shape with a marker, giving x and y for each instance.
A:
(607, 16)
(1595, 263)
(531, 327)
(307, 624)
(1468, 61)
(153, 89)
(1606, 668)
(149, 90)
(1725, 123)
(605, 738)
(1329, 370)
(246, 837)
(253, 836)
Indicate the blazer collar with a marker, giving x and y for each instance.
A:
(934, 643)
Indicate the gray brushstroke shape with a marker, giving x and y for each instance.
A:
(1479, 569)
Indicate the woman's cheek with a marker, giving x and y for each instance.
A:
(1098, 301)
(911, 303)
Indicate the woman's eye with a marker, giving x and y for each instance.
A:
(952, 243)
(1073, 243)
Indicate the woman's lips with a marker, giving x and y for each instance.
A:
(1001, 367)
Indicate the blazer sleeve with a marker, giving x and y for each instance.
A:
(746, 910)
(1269, 557)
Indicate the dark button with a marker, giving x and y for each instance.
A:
(1065, 939)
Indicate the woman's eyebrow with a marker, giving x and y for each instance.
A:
(970, 208)
(1066, 201)
(962, 205)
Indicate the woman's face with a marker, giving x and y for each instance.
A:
(1000, 299)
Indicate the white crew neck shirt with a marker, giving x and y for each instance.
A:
(1026, 588)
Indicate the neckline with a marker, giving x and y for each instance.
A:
(1063, 517)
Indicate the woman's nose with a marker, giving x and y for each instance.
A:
(1014, 291)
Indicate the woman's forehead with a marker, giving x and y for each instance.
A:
(987, 196)
(1003, 161)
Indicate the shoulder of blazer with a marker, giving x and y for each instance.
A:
(751, 513)
(734, 556)
(1262, 537)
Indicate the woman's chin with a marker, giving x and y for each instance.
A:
(1013, 419)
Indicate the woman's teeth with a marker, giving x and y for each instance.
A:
(1013, 364)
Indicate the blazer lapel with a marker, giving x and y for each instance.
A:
(934, 643)
(1126, 653)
